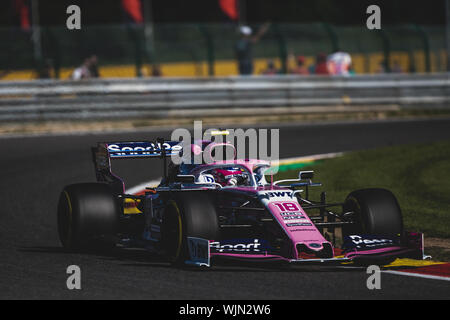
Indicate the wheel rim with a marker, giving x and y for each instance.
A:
(352, 204)
(65, 219)
(173, 231)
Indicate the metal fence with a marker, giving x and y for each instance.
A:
(208, 49)
(203, 97)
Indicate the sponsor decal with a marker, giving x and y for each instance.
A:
(293, 218)
(300, 230)
(141, 149)
(240, 246)
(101, 159)
(130, 206)
(363, 241)
(299, 224)
(279, 194)
(296, 221)
(155, 228)
(287, 206)
(198, 251)
(296, 214)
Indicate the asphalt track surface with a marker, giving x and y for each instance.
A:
(33, 265)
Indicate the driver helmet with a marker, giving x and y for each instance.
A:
(227, 177)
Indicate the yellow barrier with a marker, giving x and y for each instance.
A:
(361, 63)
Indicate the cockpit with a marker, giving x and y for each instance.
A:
(240, 173)
(223, 173)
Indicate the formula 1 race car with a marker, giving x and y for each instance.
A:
(228, 209)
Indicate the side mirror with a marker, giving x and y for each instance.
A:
(306, 175)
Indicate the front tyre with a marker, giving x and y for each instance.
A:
(87, 216)
(188, 215)
(376, 212)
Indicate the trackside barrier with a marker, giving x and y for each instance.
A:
(167, 97)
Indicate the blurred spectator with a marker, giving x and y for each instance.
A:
(156, 71)
(321, 65)
(87, 70)
(4, 73)
(153, 71)
(45, 72)
(339, 63)
(300, 68)
(381, 67)
(397, 68)
(93, 66)
(82, 72)
(243, 48)
(351, 70)
(271, 69)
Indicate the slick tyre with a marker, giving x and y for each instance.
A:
(376, 212)
(187, 215)
(87, 217)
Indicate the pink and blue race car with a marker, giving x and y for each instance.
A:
(228, 209)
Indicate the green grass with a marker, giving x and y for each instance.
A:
(418, 175)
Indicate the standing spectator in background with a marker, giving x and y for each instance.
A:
(45, 72)
(82, 72)
(93, 66)
(300, 68)
(321, 65)
(87, 70)
(339, 63)
(243, 48)
(397, 68)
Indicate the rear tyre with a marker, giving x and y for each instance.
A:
(187, 215)
(87, 217)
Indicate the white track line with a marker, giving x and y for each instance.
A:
(417, 275)
(313, 157)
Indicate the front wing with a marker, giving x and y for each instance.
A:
(355, 248)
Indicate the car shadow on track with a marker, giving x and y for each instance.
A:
(142, 258)
(133, 256)
(227, 265)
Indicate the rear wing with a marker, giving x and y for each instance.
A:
(143, 149)
(105, 151)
